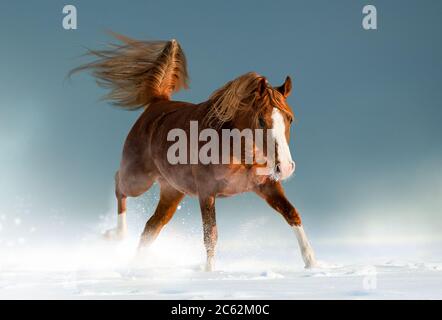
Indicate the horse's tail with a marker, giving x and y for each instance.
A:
(138, 72)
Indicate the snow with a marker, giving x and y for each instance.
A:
(257, 258)
(172, 269)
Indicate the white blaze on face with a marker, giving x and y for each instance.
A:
(283, 150)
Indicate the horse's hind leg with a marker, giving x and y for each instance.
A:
(169, 200)
(120, 231)
(131, 188)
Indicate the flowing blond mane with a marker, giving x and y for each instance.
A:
(241, 93)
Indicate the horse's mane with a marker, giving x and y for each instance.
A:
(138, 71)
(240, 93)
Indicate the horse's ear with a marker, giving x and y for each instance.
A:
(286, 88)
(262, 85)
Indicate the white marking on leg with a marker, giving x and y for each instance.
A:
(120, 231)
(210, 264)
(284, 155)
(306, 249)
(122, 224)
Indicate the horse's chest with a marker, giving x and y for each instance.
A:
(238, 181)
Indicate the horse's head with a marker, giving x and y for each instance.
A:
(271, 111)
(249, 102)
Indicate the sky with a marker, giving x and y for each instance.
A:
(367, 135)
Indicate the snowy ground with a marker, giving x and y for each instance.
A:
(94, 269)
(257, 258)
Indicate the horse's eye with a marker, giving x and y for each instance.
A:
(262, 123)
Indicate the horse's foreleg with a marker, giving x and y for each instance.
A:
(275, 197)
(169, 200)
(207, 205)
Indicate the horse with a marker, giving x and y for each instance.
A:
(144, 75)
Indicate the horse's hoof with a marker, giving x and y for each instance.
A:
(114, 234)
(209, 265)
(310, 264)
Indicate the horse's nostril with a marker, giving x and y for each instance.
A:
(278, 168)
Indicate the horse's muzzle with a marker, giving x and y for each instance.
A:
(283, 171)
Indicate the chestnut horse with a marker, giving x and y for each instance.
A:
(144, 74)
